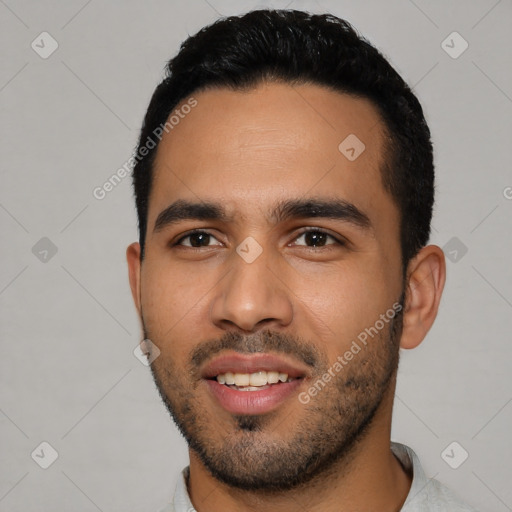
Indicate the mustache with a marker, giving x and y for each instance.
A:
(262, 341)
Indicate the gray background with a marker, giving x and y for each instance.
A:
(68, 373)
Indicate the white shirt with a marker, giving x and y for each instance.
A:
(425, 495)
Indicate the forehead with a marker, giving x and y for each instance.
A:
(275, 141)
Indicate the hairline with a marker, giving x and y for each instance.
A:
(386, 160)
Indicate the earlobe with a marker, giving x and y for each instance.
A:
(133, 259)
(425, 282)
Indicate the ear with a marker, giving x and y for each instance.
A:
(426, 275)
(133, 259)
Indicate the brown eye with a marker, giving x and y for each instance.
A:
(316, 238)
(196, 239)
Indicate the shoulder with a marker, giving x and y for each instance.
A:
(436, 497)
(426, 494)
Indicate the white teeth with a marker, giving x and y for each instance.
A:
(258, 379)
(272, 377)
(242, 379)
(251, 381)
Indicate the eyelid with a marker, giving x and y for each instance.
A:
(185, 235)
(337, 238)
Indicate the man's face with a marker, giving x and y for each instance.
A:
(268, 287)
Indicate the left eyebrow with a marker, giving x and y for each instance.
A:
(338, 209)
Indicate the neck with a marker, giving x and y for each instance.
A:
(368, 478)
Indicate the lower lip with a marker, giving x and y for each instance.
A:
(252, 402)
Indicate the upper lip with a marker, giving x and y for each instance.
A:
(251, 363)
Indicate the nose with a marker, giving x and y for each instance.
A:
(251, 296)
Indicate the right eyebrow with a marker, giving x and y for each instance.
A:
(186, 210)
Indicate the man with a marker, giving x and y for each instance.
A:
(284, 189)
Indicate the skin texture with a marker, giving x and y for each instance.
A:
(248, 150)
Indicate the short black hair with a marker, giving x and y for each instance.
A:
(295, 47)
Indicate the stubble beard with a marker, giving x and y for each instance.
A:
(249, 453)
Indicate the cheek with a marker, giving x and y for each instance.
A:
(342, 303)
(171, 304)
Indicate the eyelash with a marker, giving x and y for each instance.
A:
(306, 230)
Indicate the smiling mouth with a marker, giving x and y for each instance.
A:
(256, 381)
(252, 384)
